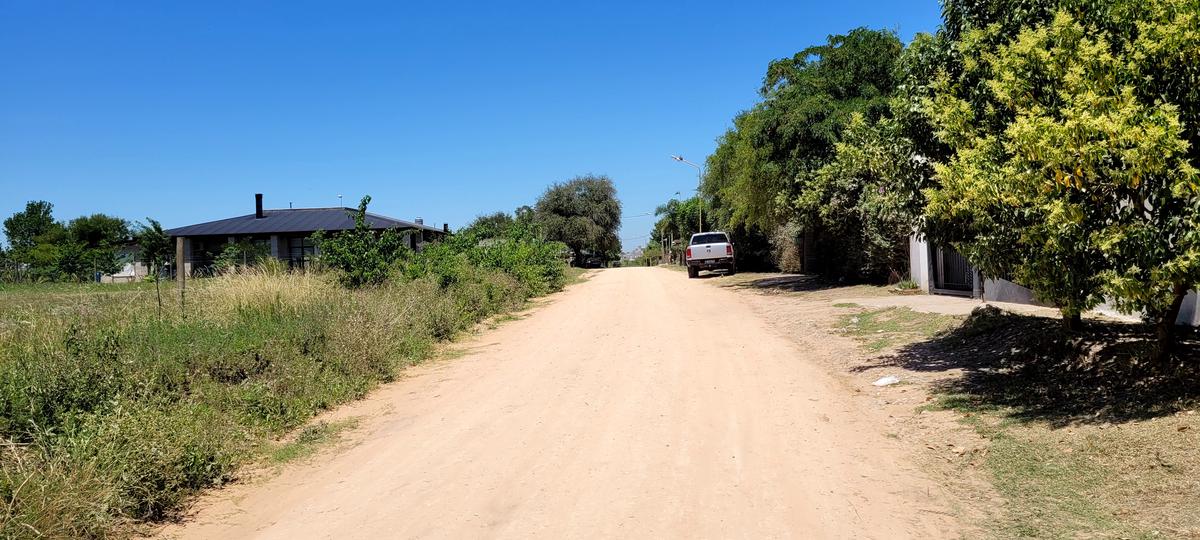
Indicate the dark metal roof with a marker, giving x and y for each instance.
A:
(293, 220)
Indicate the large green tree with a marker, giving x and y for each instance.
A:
(767, 169)
(583, 213)
(23, 228)
(97, 239)
(863, 198)
(1073, 164)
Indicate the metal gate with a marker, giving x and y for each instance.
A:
(951, 271)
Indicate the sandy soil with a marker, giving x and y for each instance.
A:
(636, 404)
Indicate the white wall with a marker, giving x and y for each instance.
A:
(918, 262)
(1189, 312)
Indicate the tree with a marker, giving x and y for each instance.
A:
(767, 169)
(363, 256)
(584, 214)
(95, 239)
(23, 228)
(8, 268)
(678, 221)
(1069, 171)
(863, 198)
(492, 225)
(154, 248)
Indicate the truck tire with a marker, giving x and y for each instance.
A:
(732, 270)
(692, 272)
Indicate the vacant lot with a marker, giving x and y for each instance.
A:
(114, 410)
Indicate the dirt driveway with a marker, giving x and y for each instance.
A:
(636, 404)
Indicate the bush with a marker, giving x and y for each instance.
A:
(513, 249)
(361, 256)
(785, 248)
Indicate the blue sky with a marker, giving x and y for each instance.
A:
(181, 111)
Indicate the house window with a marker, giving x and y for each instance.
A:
(301, 250)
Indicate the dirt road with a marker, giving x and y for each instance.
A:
(637, 404)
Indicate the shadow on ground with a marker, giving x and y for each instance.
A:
(1028, 367)
(787, 283)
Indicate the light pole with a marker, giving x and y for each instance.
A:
(699, 181)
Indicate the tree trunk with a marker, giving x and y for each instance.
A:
(1165, 327)
(1072, 321)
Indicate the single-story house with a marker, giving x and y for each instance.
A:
(132, 270)
(941, 270)
(285, 234)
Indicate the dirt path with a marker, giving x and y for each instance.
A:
(637, 404)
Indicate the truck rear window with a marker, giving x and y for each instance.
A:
(713, 238)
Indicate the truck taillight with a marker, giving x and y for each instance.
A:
(729, 250)
(689, 253)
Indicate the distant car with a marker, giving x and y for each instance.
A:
(710, 251)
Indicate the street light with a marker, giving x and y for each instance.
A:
(699, 182)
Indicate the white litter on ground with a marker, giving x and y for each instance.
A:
(885, 381)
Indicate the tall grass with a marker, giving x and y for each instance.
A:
(111, 414)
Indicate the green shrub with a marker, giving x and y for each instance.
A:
(113, 411)
(361, 256)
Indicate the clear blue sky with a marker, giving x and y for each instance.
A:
(183, 110)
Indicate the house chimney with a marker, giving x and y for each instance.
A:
(446, 228)
(258, 213)
(420, 221)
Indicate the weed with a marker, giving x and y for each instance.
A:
(112, 414)
(889, 327)
(309, 440)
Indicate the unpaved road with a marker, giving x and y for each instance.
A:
(637, 404)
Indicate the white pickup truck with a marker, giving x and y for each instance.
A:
(710, 251)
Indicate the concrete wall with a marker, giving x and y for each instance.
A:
(919, 267)
(1003, 290)
(1189, 312)
(131, 272)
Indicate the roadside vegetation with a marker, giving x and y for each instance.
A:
(1089, 443)
(41, 248)
(119, 401)
(1053, 143)
(1077, 438)
(882, 329)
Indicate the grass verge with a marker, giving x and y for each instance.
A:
(881, 329)
(112, 414)
(1084, 440)
(1134, 480)
(309, 440)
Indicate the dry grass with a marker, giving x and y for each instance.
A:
(1131, 480)
(113, 414)
(1052, 448)
(887, 328)
(258, 288)
(1081, 442)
